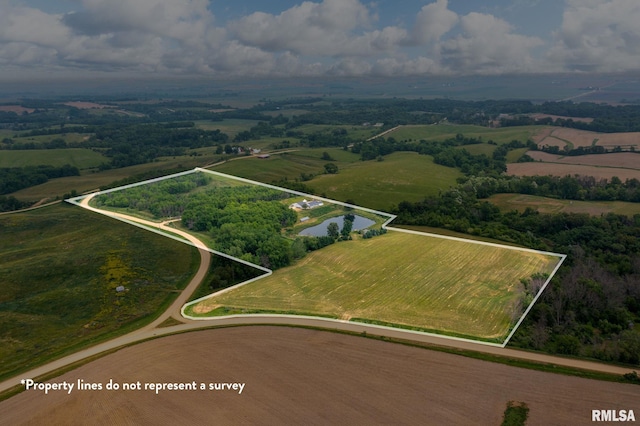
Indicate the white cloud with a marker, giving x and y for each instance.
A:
(309, 28)
(488, 45)
(433, 21)
(336, 37)
(599, 35)
(29, 25)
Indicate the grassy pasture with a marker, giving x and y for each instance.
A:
(478, 149)
(272, 169)
(90, 181)
(231, 126)
(78, 157)
(446, 131)
(520, 202)
(374, 184)
(60, 266)
(412, 280)
(402, 176)
(67, 137)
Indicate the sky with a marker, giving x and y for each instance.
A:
(289, 38)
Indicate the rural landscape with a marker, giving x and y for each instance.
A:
(466, 236)
(319, 212)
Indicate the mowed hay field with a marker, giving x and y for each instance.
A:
(625, 160)
(509, 202)
(561, 136)
(624, 165)
(440, 132)
(436, 284)
(78, 157)
(555, 169)
(299, 376)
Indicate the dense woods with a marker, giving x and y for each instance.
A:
(593, 305)
(243, 221)
(15, 178)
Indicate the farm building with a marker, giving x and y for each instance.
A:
(306, 205)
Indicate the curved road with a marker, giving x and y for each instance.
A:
(151, 330)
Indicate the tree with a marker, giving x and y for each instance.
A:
(331, 168)
(333, 230)
(327, 157)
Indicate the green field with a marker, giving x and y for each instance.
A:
(402, 176)
(435, 284)
(272, 169)
(520, 202)
(90, 181)
(60, 266)
(445, 131)
(77, 157)
(229, 126)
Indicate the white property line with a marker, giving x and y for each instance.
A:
(391, 217)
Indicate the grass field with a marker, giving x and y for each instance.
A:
(272, 169)
(80, 158)
(453, 287)
(520, 202)
(91, 181)
(60, 266)
(402, 176)
(229, 126)
(445, 131)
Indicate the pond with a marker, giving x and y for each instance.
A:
(321, 230)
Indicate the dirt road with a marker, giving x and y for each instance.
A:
(151, 330)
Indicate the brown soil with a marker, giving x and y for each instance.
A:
(557, 136)
(300, 376)
(555, 169)
(16, 108)
(555, 117)
(87, 105)
(628, 160)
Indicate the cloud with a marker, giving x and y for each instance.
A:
(309, 28)
(333, 37)
(488, 45)
(29, 25)
(598, 35)
(433, 21)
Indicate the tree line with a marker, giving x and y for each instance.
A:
(593, 303)
(16, 178)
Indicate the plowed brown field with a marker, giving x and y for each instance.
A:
(558, 137)
(300, 376)
(626, 160)
(554, 169)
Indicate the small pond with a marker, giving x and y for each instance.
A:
(321, 230)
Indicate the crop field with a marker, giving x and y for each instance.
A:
(78, 157)
(16, 108)
(508, 202)
(435, 284)
(445, 131)
(555, 169)
(560, 136)
(624, 160)
(59, 267)
(363, 381)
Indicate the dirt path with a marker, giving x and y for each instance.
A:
(37, 205)
(205, 260)
(379, 135)
(151, 330)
